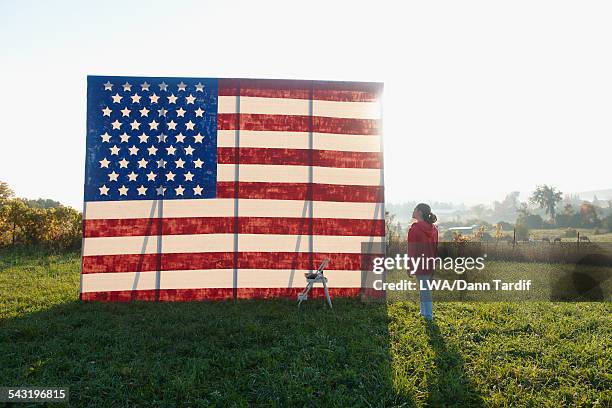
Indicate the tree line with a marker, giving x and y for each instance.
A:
(40, 223)
(585, 215)
(546, 208)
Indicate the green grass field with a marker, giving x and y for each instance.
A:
(266, 353)
(602, 236)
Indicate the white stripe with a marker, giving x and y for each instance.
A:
(287, 106)
(212, 278)
(300, 174)
(352, 143)
(355, 110)
(224, 207)
(283, 278)
(223, 243)
(299, 140)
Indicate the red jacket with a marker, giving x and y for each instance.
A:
(423, 243)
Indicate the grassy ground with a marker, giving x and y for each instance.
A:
(266, 353)
(602, 236)
(539, 234)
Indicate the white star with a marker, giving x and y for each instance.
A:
(103, 190)
(172, 125)
(161, 164)
(144, 112)
(124, 137)
(117, 98)
(153, 125)
(199, 112)
(154, 98)
(189, 176)
(143, 138)
(104, 163)
(162, 112)
(162, 138)
(135, 125)
(142, 190)
(160, 190)
(182, 86)
(108, 86)
(189, 125)
(116, 124)
(179, 163)
(125, 111)
(190, 99)
(151, 176)
(105, 137)
(171, 149)
(123, 190)
(170, 176)
(180, 113)
(199, 87)
(198, 138)
(197, 190)
(189, 150)
(163, 86)
(152, 150)
(145, 86)
(198, 163)
(133, 150)
(172, 98)
(114, 150)
(142, 163)
(179, 190)
(123, 163)
(132, 176)
(127, 87)
(180, 138)
(106, 111)
(135, 98)
(113, 176)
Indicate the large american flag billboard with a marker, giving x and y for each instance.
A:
(200, 188)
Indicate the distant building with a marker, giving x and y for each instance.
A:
(464, 230)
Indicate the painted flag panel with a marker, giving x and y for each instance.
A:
(203, 188)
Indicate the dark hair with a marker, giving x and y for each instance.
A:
(425, 210)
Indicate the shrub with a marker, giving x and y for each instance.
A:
(522, 232)
(448, 235)
(486, 237)
(608, 222)
(570, 233)
(55, 227)
(506, 226)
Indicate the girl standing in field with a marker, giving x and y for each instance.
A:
(423, 243)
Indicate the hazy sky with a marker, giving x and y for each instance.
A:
(481, 97)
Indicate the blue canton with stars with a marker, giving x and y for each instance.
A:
(151, 138)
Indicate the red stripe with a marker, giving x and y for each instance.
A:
(121, 227)
(225, 225)
(299, 157)
(187, 295)
(121, 263)
(297, 123)
(224, 260)
(267, 293)
(164, 294)
(301, 191)
(321, 90)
